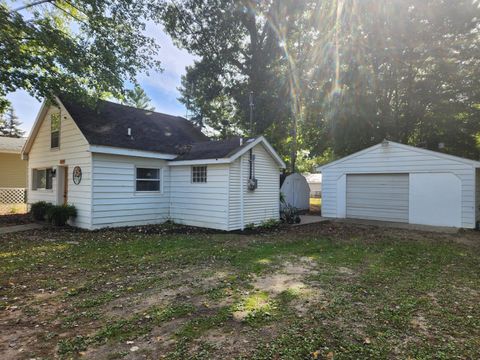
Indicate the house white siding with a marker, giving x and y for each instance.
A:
(395, 158)
(200, 204)
(477, 195)
(115, 201)
(260, 205)
(73, 151)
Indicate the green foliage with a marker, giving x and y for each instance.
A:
(39, 210)
(138, 98)
(78, 47)
(334, 77)
(9, 124)
(58, 215)
(239, 51)
(289, 214)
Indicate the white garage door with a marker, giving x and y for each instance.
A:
(378, 197)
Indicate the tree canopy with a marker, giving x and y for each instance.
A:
(82, 47)
(333, 77)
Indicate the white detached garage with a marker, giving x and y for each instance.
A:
(401, 183)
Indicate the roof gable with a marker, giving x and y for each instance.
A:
(404, 147)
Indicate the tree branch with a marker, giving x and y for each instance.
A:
(26, 6)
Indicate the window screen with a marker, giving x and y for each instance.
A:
(148, 179)
(42, 179)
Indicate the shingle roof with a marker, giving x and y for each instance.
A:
(11, 145)
(107, 124)
(211, 149)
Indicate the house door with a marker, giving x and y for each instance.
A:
(65, 185)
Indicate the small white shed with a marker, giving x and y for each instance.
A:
(296, 191)
(401, 183)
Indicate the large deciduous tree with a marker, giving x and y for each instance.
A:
(241, 48)
(344, 74)
(406, 70)
(83, 47)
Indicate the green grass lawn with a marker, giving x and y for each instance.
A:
(321, 291)
(315, 204)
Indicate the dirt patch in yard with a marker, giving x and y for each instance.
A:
(349, 290)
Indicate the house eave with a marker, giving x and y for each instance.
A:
(110, 150)
(200, 162)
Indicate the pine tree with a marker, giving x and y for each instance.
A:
(138, 98)
(10, 125)
(2, 124)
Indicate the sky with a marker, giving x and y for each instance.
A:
(160, 87)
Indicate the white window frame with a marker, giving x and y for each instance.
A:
(33, 183)
(192, 176)
(160, 180)
(59, 128)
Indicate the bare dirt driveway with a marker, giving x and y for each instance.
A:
(321, 291)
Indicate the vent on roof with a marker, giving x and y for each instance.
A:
(129, 132)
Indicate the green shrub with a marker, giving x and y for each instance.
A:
(59, 215)
(39, 210)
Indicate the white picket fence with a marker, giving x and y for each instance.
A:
(13, 201)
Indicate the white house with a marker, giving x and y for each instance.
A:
(396, 182)
(315, 184)
(123, 166)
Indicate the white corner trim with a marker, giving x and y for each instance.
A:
(129, 152)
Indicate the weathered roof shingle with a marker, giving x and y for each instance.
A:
(107, 124)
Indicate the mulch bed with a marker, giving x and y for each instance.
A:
(15, 219)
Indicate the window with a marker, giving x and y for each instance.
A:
(42, 179)
(148, 179)
(199, 174)
(55, 130)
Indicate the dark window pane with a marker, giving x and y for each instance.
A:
(143, 185)
(199, 174)
(55, 139)
(48, 181)
(144, 173)
(39, 178)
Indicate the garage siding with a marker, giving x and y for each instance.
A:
(396, 158)
(380, 196)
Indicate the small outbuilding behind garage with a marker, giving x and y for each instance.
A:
(401, 183)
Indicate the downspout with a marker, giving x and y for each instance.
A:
(242, 219)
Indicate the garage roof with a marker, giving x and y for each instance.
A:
(473, 163)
